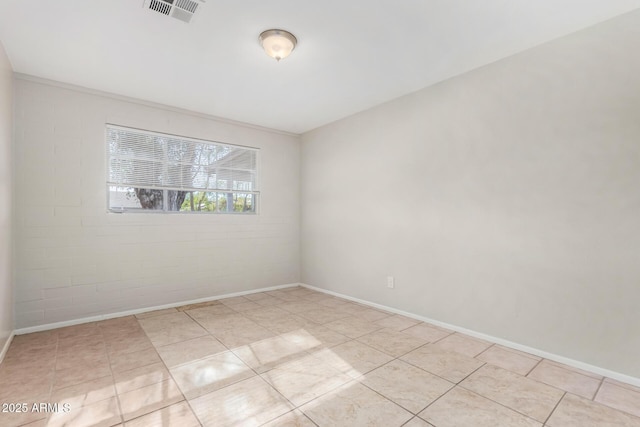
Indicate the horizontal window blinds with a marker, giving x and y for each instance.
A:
(143, 159)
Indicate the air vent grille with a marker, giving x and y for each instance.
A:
(160, 6)
(179, 9)
(188, 5)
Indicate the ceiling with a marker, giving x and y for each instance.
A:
(351, 55)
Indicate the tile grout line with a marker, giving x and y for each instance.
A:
(572, 372)
(295, 407)
(411, 419)
(55, 374)
(442, 338)
(385, 397)
(298, 407)
(518, 352)
(484, 351)
(431, 373)
(435, 400)
(503, 405)
(554, 408)
(161, 361)
(437, 375)
(113, 377)
(382, 395)
(533, 368)
(257, 374)
(495, 401)
(598, 389)
(398, 358)
(171, 374)
(473, 372)
(103, 342)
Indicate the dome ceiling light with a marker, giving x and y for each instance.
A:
(278, 44)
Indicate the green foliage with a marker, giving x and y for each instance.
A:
(203, 201)
(199, 201)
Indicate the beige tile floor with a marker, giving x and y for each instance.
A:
(294, 357)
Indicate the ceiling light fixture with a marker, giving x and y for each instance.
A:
(278, 44)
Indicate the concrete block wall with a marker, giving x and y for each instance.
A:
(74, 259)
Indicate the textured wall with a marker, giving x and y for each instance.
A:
(74, 259)
(505, 200)
(6, 125)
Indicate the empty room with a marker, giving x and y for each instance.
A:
(420, 213)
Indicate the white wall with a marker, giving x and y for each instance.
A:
(6, 126)
(505, 201)
(73, 259)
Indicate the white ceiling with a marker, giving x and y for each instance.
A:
(352, 54)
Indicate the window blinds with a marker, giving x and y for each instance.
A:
(150, 160)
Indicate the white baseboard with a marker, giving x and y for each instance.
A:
(56, 325)
(7, 343)
(540, 353)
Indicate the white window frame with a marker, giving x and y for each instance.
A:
(165, 189)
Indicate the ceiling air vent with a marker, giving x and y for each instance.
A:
(179, 9)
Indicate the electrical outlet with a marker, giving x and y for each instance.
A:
(390, 282)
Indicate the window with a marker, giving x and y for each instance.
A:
(151, 171)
